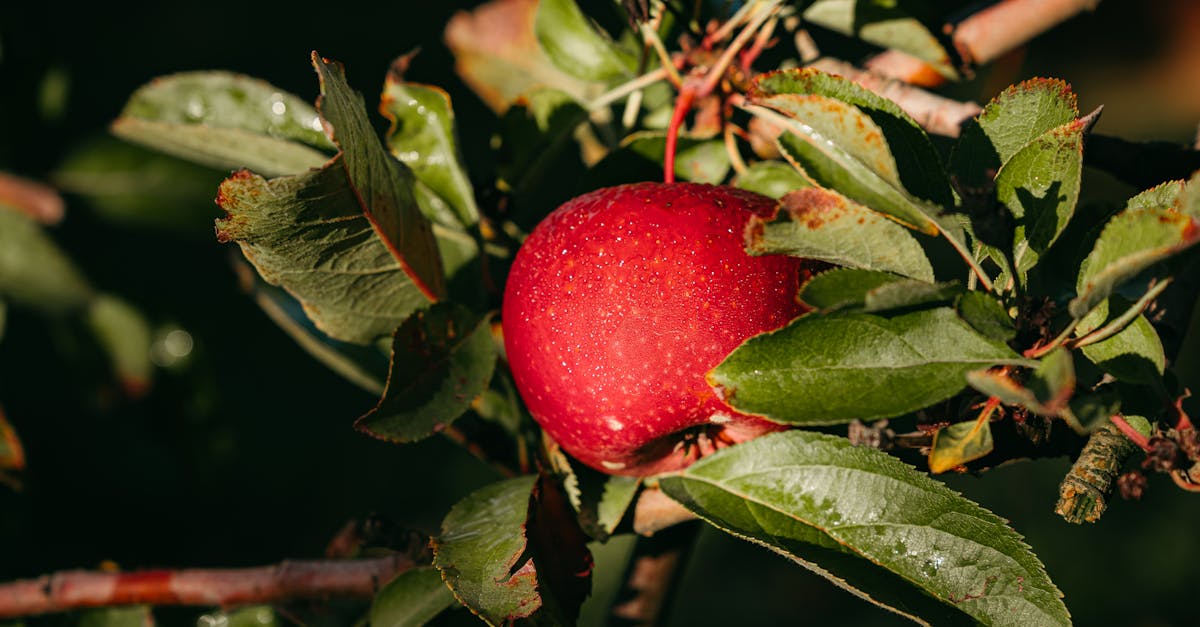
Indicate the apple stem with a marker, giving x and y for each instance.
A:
(683, 104)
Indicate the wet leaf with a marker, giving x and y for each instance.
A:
(830, 369)
(135, 186)
(817, 223)
(365, 366)
(1046, 391)
(1020, 114)
(576, 46)
(903, 25)
(34, 271)
(1135, 354)
(489, 545)
(1040, 186)
(919, 168)
(771, 178)
(960, 443)
(828, 140)
(411, 599)
(697, 160)
(125, 335)
(986, 315)
(348, 240)
(12, 455)
(442, 358)
(224, 121)
(423, 137)
(497, 54)
(896, 531)
(1131, 242)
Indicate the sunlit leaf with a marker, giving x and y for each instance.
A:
(411, 599)
(771, 178)
(1046, 391)
(225, 121)
(130, 616)
(829, 369)
(822, 224)
(36, 200)
(960, 443)
(895, 531)
(497, 54)
(1040, 186)
(442, 358)
(575, 45)
(697, 160)
(1017, 116)
(252, 616)
(1133, 241)
(348, 240)
(902, 25)
(422, 136)
(1135, 354)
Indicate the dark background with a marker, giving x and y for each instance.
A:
(243, 453)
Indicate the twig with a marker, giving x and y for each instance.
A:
(935, 114)
(624, 89)
(655, 511)
(652, 575)
(1122, 321)
(983, 37)
(285, 581)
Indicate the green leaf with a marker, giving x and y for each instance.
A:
(134, 186)
(1135, 354)
(125, 335)
(224, 121)
(576, 46)
(817, 223)
(918, 166)
(830, 369)
(600, 500)
(1131, 242)
(987, 315)
(1161, 196)
(1091, 410)
(253, 616)
(34, 271)
(1040, 186)
(442, 358)
(1188, 198)
(12, 454)
(696, 159)
(422, 136)
(960, 443)
(506, 554)
(840, 148)
(788, 492)
(1047, 391)
(132, 616)
(481, 552)
(411, 599)
(1020, 114)
(771, 178)
(896, 24)
(539, 160)
(348, 240)
(872, 291)
(364, 366)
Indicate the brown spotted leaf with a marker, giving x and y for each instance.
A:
(817, 223)
(348, 240)
(960, 443)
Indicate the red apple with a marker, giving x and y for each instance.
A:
(620, 302)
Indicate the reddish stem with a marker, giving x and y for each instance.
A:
(683, 104)
(208, 587)
(1134, 436)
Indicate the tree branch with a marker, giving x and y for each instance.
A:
(652, 576)
(277, 583)
(934, 113)
(984, 36)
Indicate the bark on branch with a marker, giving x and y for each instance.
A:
(286, 581)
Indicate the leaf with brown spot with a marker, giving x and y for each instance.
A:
(817, 223)
(348, 240)
(508, 551)
(960, 443)
(1047, 390)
